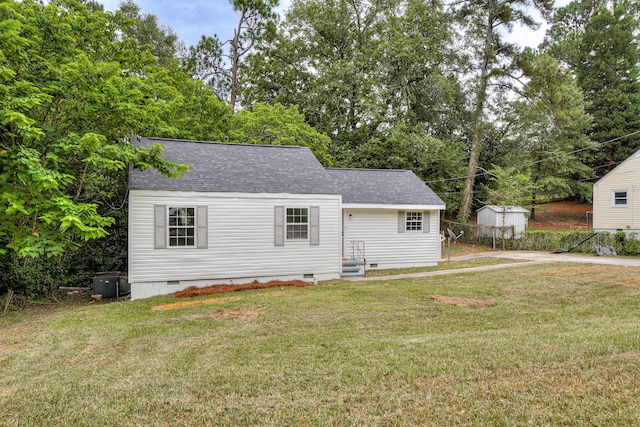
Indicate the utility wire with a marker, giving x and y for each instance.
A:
(542, 160)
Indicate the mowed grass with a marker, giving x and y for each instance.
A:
(560, 347)
(443, 265)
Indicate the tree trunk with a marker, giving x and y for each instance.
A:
(533, 206)
(534, 198)
(234, 69)
(467, 195)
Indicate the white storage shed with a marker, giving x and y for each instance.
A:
(492, 219)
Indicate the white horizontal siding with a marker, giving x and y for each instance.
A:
(625, 177)
(384, 246)
(241, 240)
(490, 218)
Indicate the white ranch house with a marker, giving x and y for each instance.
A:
(259, 212)
(616, 198)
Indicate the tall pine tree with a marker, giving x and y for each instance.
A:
(484, 20)
(608, 73)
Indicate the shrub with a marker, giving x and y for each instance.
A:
(547, 240)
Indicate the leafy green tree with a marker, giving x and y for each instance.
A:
(278, 125)
(73, 88)
(358, 68)
(483, 20)
(545, 131)
(508, 187)
(219, 63)
(436, 162)
(144, 29)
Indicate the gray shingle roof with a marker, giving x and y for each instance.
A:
(383, 186)
(222, 167)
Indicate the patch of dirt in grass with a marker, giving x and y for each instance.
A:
(278, 292)
(100, 354)
(194, 291)
(7, 349)
(463, 302)
(187, 304)
(13, 336)
(238, 313)
(223, 314)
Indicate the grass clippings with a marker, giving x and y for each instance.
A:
(463, 302)
(194, 291)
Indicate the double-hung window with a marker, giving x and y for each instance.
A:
(182, 227)
(413, 221)
(297, 223)
(619, 198)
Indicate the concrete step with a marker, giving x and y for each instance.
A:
(352, 267)
(351, 274)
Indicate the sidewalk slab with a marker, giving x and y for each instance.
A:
(527, 257)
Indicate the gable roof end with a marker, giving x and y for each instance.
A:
(611, 172)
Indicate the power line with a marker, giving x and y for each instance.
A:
(600, 144)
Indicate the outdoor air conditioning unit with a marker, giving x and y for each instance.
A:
(111, 284)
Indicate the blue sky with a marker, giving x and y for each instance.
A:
(190, 19)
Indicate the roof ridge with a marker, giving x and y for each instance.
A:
(235, 144)
(368, 169)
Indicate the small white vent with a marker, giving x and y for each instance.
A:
(307, 276)
(373, 265)
(173, 282)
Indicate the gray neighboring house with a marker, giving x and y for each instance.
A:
(259, 212)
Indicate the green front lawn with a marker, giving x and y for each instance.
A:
(561, 346)
(443, 265)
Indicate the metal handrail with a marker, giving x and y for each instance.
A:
(358, 252)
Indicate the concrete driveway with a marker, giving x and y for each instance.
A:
(527, 258)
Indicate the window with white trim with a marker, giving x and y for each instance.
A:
(182, 227)
(297, 223)
(413, 221)
(619, 198)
